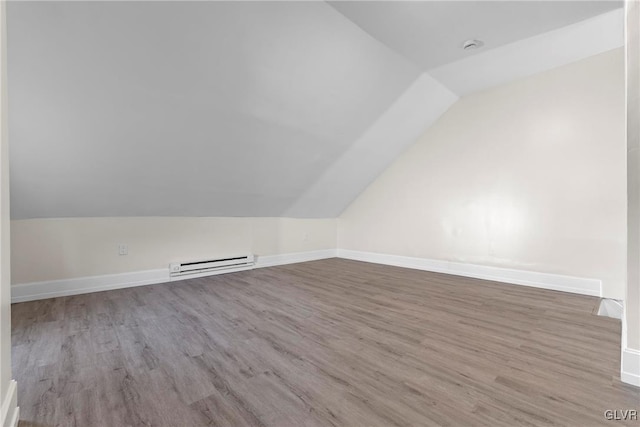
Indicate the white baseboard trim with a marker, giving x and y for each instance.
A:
(295, 257)
(555, 282)
(9, 411)
(630, 366)
(83, 285)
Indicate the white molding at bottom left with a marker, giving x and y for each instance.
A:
(10, 412)
(82, 285)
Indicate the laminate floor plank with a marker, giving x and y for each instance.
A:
(323, 343)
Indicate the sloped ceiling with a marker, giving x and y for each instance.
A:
(209, 108)
(429, 33)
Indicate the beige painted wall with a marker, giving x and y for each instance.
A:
(49, 249)
(529, 175)
(632, 310)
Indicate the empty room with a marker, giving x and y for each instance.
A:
(310, 213)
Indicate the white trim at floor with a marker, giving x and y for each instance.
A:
(630, 366)
(295, 257)
(82, 285)
(557, 282)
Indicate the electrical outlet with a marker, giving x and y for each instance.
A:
(123, 249)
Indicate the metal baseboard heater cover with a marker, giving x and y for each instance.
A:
(207, 267)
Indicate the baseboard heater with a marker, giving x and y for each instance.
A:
(192, 269)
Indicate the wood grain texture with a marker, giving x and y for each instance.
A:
(324, 343)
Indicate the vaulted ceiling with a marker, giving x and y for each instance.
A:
(430, 33)
(238, 108)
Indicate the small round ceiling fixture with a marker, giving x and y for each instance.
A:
(472, 44)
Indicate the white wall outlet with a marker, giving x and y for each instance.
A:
(305, 237)
(123, 249)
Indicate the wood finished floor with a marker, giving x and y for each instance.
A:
(325, 343)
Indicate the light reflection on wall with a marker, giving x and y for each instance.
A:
(485, 229)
